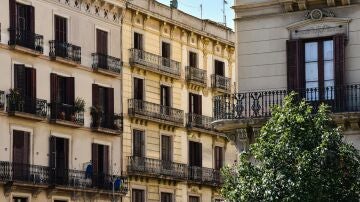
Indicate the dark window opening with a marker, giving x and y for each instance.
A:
(219, 68)
(60, 29)
(20, 199)
(138, 89)
(166, 148)
(21, 155)
(195, 154)
(218, 152)
(166, 197)
(138, 195)
(193, 59)
(59, 159)
(194, 199)
(165, 54)
(195, 104)
(138, 41)
(138, 143)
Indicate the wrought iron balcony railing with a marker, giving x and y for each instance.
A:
(221, 83)
(199, 121)
(27, 39)
(2, 99)
(203, 175)
(65, 50)
(67, 113)
(155, 63)
(107, 121)
(24, 173)
(196, 75)
(105, 62)
(76, 179)
(29, 105)
(344, 98)
(155, 167)
(155, 111)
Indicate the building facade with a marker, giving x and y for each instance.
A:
(310, 47)
(174, 64)
(111, 100)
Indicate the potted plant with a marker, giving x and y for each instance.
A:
(96, 113)
(79, 106)
(15, 99)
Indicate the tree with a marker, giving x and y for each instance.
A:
(299, 156)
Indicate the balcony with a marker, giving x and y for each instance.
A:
(26, 107)
(105, 123)
(26, 41)
(196, 76)
(156, 168)
(155, 112)
(2, 99)
(66, 115)
(147, 167)
(65, 52)
(105, 64)
(257, 105)
(155, 63)
(207, 176)
(221, 83)
(69, 180)
(200, 123)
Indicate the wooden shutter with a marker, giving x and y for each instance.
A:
(199, 104)
(191, 153)
(26, 158)
(106, 159)
(53, 87)
(295, 64)
(138, 88)
(21, 145)
(218, 157)
(110, 99)
(70, 90)
(165, 148)
(191, 102)
(12, 17)
(60, 29)
(30, 82)
(66, 153)
(52, 154)
(95, 94)
(95, 157)
(32, 18)
(199, 154)
(140, 41)
(101, 42)
(138, 143)
(339, 59)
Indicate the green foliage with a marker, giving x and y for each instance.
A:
(299, 156)
(79, 105)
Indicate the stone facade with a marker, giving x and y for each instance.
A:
(56, 51)
(273, 48)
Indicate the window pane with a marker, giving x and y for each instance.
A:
(328, 50)
(311, 51)
(311, 71)
(328, 70)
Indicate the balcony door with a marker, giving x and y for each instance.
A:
(195, 160)
(61, 36)
(21, 155)
(138, 41)
(165, 100)
(59, 159)
(22, 24)
(25, 84)
(195, 104)
(62, 96)
(219, 68)
(103, 98)
(165, 53)
(138, 145)
(166, 152)
(193, 59)
(138, 195)
(102, 48)
(218, 157)
(100, 163)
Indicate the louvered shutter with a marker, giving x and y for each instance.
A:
(218, 157)
(20, 78)
(66, 153)
(295, 64)
(95, 94)
(26, 139)
(199, 104)
(106, 159)
(52, 150)
(13, 14)
(191, 96)
(199, 163)
(32, 18)
(339, 66)
(110, 107)
(53, 94)
(70, 90)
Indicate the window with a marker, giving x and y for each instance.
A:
(193, 59)
(166, 148)
(60, 201)
(195, 104)
(102, 48)
(138, 195)
(165, 96)
(194, 199)
(21, 154)
(60, 29)
(195, 154)
(25, 83)
(20, 199)
(104, 98)
(165, 53)
(59, 158)
(138, 89)
(219, 68)
(138, 41)
(100, 162)
(166, 197)
(138, 143)
(218, 154)
(62, 89)
(319, 69)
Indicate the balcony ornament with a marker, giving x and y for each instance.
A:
(318, 14)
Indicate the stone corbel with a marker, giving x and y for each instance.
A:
(172, 31)
(146, 20)
(302, 5)
(330, 2)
